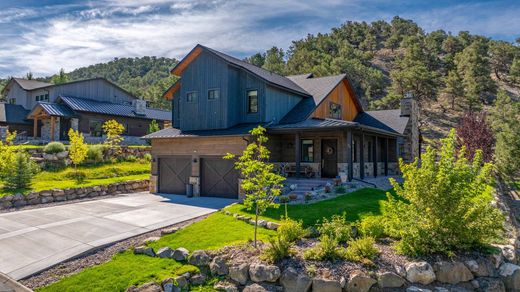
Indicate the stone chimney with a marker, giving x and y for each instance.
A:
(408, 105)
(139, 107)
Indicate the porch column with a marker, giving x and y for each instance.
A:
(386, 156)
(35, 127)
(52, 128)
(297, 152)
(349, 155)
(374, 154)
(362, 158)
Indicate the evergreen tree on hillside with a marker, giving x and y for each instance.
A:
(454, 88)
(501, 57)
(274, 60)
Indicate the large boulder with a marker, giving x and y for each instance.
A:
(144, 250)
(272, 225)
(359, 282)
(510, 274)
(389, 280)
(292, 281)
(420, 272)
(218, 267)
(225, 286)
(481, 267)
(452, 272)
(149, 287)
(165, 252)
(254, 288)
(264, 273)
(488, 284)
(180, 254)
(417, 289)
(197, 279)
(199, 258)
(326, 285)
(239, 273)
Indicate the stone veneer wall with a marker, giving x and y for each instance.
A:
(46, 129)
(61, 195)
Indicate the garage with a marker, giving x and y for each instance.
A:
(174, 174)
(219, 178)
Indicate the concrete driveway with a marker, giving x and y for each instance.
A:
(33, 240)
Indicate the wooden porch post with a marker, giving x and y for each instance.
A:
(35, 127)
(386, 156)
(362, 156)
(52, 128)
(297, 152)
(374, 154)
(349, 155)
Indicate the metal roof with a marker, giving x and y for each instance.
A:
(55, 109)
(93, 106)
(238, 130)
(388, 120)
(31, 84)
(314, 123)
(13, 114)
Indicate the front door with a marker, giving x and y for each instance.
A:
(329, 158)
(64, 129)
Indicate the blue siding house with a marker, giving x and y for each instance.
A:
(317, 126)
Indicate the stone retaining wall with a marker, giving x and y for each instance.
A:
(60, 195)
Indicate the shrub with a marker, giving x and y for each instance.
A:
(337, 227)
(131, 158)
(291, 230)
(340, 189)
(95, 153)
(361, 249)
(147, 157)
(54, 147)
(372, 226)
(326, 249)
(21, 171)
(279, 248)
(78, 176)
(444, 205)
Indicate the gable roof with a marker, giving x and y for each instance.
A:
(270, 77)
(13, 114)
(94, 106)
(388, 120)
(237, 130)
(52, 109)
(30, 84)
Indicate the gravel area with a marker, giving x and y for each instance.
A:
(95, 257)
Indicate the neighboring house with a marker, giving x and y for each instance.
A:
(316, 126)
(48, 111)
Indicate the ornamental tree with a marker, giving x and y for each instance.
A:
(475, 133)
(113, 131)
(260, 183)
(444, 204)
(78, 148)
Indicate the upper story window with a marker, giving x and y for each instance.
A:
(42, 97)
(334, 110)
(12, 100)
(307, 150)
(213, 94)
(191, 96)
(252, 101)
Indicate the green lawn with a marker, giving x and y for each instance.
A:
(127, 269)
(96, 175)
(355, 204)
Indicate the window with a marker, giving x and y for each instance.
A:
(334, 111)
(95, 128)
(46, 98)
(252, 101)
(191, 96)
(307, 151)
(42, 97)
(12, 100)
(213, 94)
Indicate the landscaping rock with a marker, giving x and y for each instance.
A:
(510, 274)
(481, 267)
(420, 272)
(169, 230)
(168, 285)
(292, 281)
(239, 273)
(264, 273)
(144, 250)
(262, 223)
(254, 288)
(417, 289)
(148, 287)
(272, 225)
(452, 272)
(165, 252)
(218, 267)
(359, 282)
(151, 239)
(390, 280)
(180, 254)
(326, 285)
(198, 279)
(401, 271)
(199, 258)
(225, 286)
(488, 284)
(181, 281)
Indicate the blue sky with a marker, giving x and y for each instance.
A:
(43, 35)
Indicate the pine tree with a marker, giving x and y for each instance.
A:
(274, 60)
(454, 88)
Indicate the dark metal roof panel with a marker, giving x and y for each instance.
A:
(240, 129)
(93, 106)
(13, 114)
(315, 124)
(388, 120)
(56, 109)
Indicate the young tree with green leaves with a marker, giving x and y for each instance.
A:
(61, 77)
(78, 148)
(260, 183)
(153, 127)
(444, 204)
(113, 131)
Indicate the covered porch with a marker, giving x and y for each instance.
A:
(52, 121)
(332, 149)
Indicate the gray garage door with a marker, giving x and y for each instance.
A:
(219, 178)
(174, 173)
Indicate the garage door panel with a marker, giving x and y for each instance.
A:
(219, 178)
(174, 174)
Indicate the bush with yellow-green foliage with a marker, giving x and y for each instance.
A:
(444, 204)
(337, 227)
(113, 131)
(371, 226)
(326, 249)
(361, 249)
